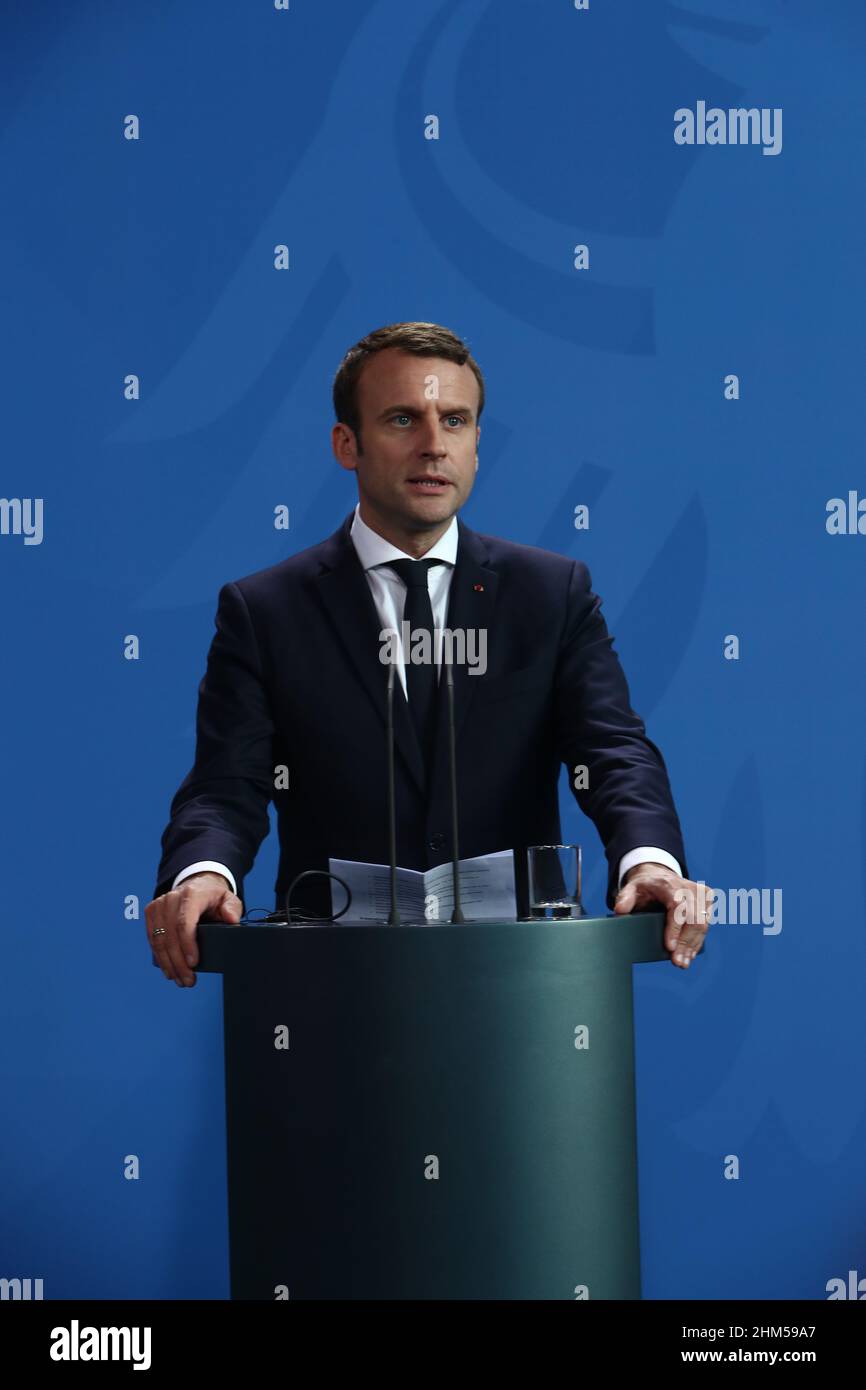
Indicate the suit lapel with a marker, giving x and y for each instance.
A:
(471, 600)
(348, 604)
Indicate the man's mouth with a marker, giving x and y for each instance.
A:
(428, 482)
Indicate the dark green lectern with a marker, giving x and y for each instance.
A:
(432, 1111)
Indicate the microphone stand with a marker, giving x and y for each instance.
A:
(394, 915)
(457, 914)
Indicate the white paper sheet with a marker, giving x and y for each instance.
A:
(486, 891)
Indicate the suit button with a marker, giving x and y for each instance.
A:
(436, 841)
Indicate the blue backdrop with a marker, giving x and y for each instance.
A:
(694, 378)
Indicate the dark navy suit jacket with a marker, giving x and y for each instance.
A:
(294, 678)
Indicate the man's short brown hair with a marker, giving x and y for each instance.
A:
(423, 339)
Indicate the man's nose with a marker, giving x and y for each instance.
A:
(431, 439)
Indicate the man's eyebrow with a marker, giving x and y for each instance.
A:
(413, 410)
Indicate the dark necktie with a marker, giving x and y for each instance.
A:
(420, 676)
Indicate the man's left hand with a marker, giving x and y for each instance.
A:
(687, 905)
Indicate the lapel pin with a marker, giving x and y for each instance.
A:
(479, 588)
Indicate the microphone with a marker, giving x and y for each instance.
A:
(457, 914)
(394, 915)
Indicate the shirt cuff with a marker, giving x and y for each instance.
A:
(646, 854)
(211, 866)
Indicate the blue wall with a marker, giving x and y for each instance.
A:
(606, 386)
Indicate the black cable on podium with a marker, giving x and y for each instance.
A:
(290, 915)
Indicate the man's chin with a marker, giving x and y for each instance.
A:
(431, 511)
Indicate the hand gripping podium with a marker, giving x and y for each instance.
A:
(434, 1111)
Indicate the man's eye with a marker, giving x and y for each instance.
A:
(456, 417)
(399, 417)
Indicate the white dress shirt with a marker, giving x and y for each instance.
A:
(389, 596)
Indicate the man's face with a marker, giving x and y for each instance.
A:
(418, 421)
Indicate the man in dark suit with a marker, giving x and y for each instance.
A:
(292, 706)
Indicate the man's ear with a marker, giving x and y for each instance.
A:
(341, 439)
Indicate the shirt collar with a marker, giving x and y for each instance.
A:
(373, 549)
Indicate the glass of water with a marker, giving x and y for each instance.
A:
(554, 882)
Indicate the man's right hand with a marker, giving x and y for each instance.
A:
(179, 913)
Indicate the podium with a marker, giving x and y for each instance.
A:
(432, 1111)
